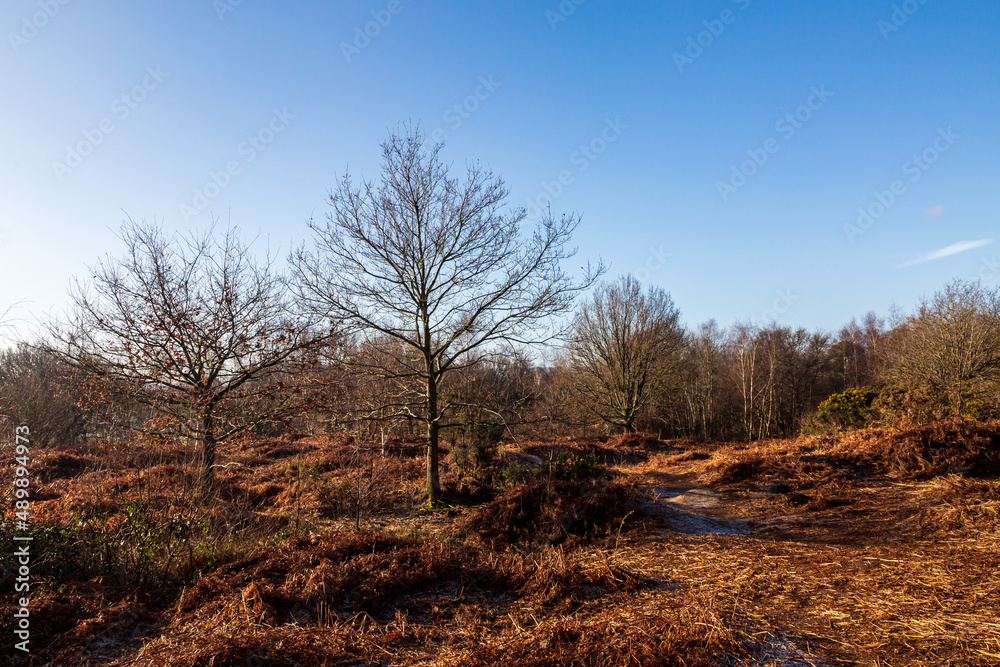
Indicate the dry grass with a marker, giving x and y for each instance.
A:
(374, 596)
(857, 605)
(869, 548)
(964, 448)
(955, 507)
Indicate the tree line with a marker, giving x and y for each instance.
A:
(421, 306)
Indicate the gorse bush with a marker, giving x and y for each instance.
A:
(851, 408)
(897, 406)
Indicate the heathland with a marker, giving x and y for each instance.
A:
(869, 547)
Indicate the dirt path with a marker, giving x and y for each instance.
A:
(686, 507)
(838, 585)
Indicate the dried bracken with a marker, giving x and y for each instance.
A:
(548, 512)
(867, 548)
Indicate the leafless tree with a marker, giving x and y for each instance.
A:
(556, 410)
(436, 265)
(951, 345)
(37, 389)
(703, 360)
(195, 327)
(5, 317)
(804, 374)
(623, 347)
(856, 350)
(781, 374)
(490, 398)
(753, 371)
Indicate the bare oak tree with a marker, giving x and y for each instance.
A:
(435, 265)
(194, 327)
(623, 347)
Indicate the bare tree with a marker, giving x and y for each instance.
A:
(951, 345)
(193, 327)
(623, 345)
(856, 348)
(703, 361)
(753, 370)
(803, 375)
(5, 317)
(490, 398)
(37, 389)
(434, 264)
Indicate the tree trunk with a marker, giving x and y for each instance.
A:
(628, 420)
(206, 476)
(433, 431)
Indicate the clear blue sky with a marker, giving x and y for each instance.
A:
(200, 77)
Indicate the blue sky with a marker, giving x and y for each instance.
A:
(719, 149)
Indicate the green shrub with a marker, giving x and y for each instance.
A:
(137, 548)
(572, 467)
(851, 408)
(508, 476)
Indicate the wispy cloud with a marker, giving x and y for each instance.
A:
(935, 211)
(953, 249)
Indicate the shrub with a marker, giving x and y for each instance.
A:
(572, 467)
(36, 389)
(851, 408)
(474, 443)
(549, 511)
(949, 350)
(922, 404)
(138, 549)
(560, 464)
(514, 474)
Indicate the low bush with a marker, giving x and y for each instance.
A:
(559, 464)
(474, 443)
(550, 511)
(907, 407)
(852, 408)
